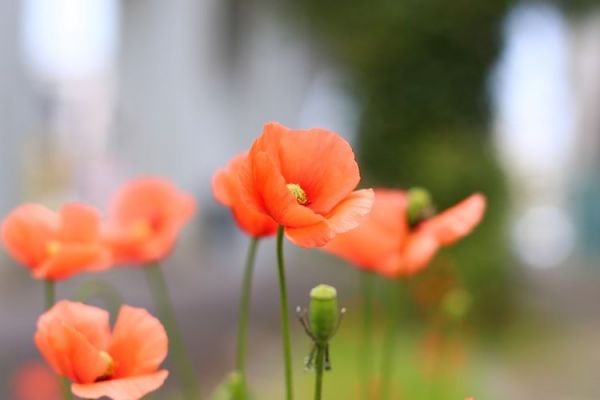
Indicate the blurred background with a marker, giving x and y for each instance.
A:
(498, 96)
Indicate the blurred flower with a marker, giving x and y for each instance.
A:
(387, 243)
(145, 218)
(227, 190)
(304, 180)
(55, 245)
(75, 339)
(35, 381)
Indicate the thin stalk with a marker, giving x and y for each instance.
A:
(50, 299)
(285, 323)
(49, 294)
(390, 341)
(319, 366)
(365, 353)
(242, 343)
(181, 361)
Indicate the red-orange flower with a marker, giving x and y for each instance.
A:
(227, 190)
(76, 340)
(386, 243)
(35, 381)
(55, 245)
(145, 218)
(304, 180)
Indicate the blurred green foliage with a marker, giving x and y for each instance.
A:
(419, 72)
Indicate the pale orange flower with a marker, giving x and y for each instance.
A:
(227, 190)
(305, 180)
(145, 218)
(55, 245)
(76, 340)
(386, 243)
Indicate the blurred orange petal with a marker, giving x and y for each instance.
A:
(457, 221)
(145, 218)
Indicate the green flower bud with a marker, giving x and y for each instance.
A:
(323, 313)
(420, 205)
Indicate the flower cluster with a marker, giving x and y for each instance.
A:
(300, 184)
(142, 226)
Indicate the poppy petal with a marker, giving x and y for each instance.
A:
(80, 223)
(274, 195)
(457, 221)
(91, 322)
(131, 388)
(418, 252)
(316, 235)
(320, 161)
(139, 343)
(27, 231)
(73, 258)
(227, 191)
(68, 351)
(225, 182)
(351, 211)
(372, 243)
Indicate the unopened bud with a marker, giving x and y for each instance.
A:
(420, 205)
(323, 312)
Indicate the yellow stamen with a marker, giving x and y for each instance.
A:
(52, 247)
(141, 229)
(110, 366)
(298, 193)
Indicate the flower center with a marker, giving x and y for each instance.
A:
(110, 367)
(140, 229)
(298, 193)
(52, 247)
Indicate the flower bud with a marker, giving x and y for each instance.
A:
(419, 205)
(323, 312)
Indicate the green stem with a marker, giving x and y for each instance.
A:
(50, 299)
(242, 343)
(365, 354)
(181, 361)
(49, 294)
(320, 357)
(285, 323)
(390, 341)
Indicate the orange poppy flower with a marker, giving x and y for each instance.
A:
(145, 218)
(55, 245)
(386, 243)
(227, 190)
(75, 339)
(35, 381)
(304, 180)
